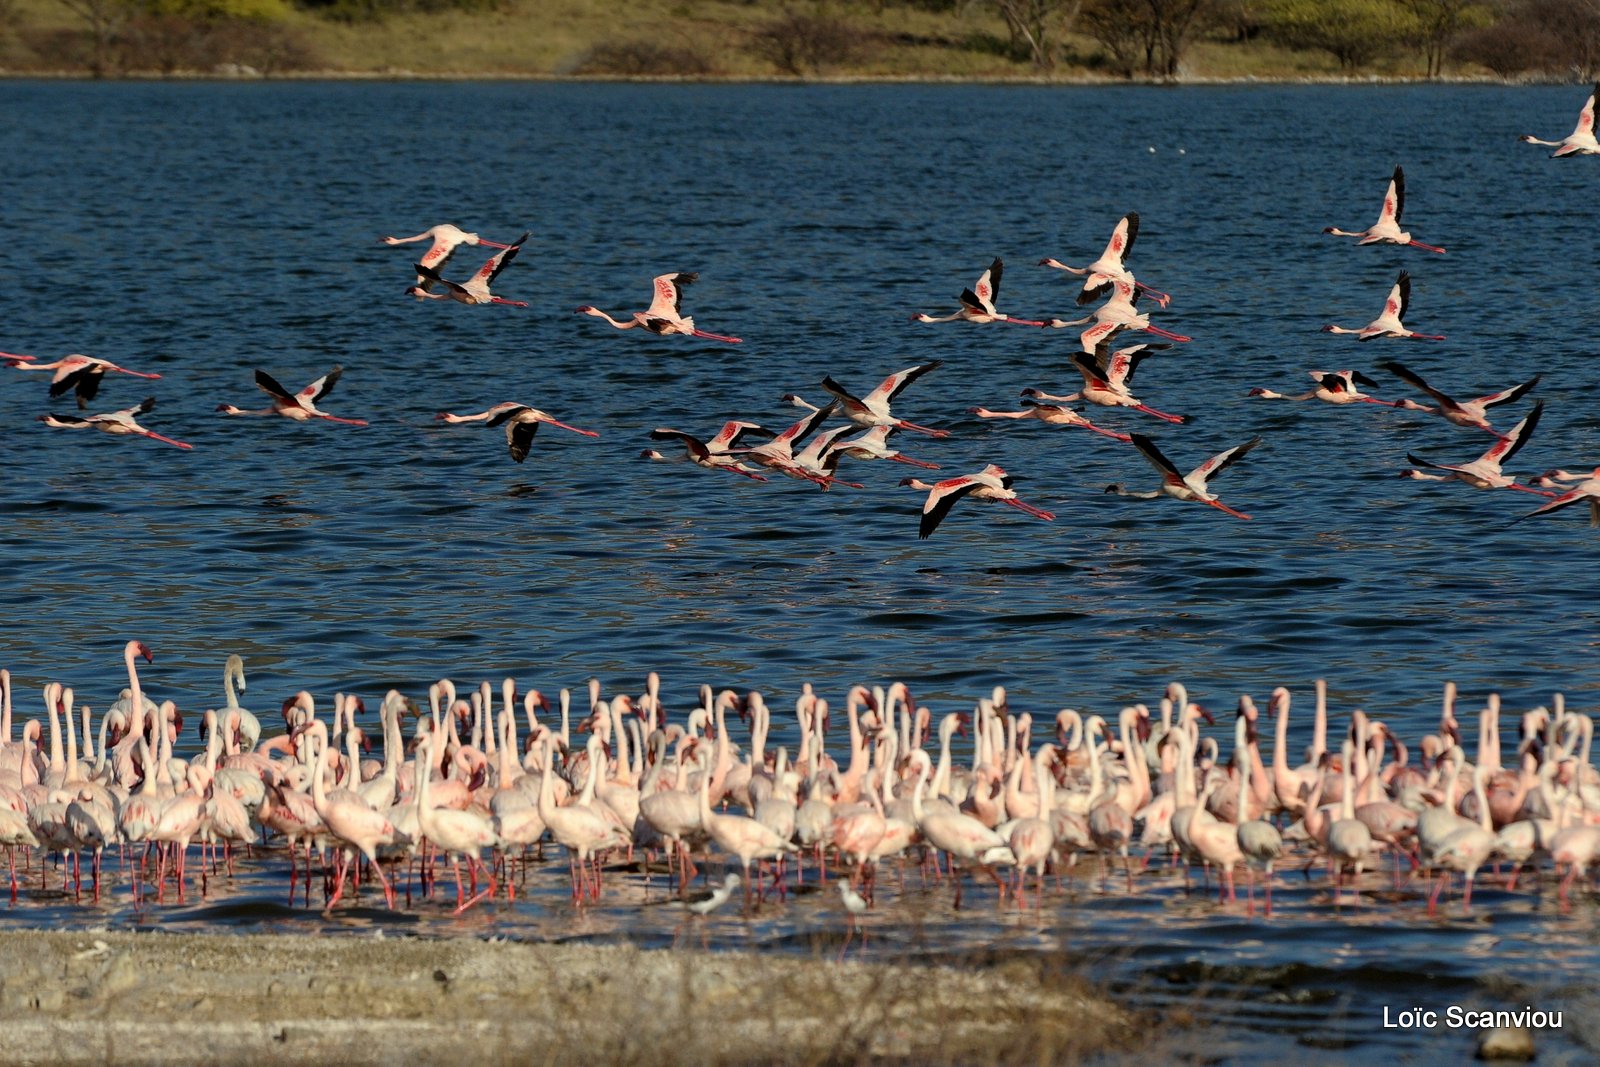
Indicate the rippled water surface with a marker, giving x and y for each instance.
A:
(203, 231)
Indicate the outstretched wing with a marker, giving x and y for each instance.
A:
(1161, 463)
(1399, 297)
(1394, 201)
(519, 436)
(1571, 496)
(1509, 445)
(1124, 361)
(432, 277)
(1094, 375)
(1122, 237)
(1505, 396)
(1585, 127)
(497, 263)
(668, 293)
(895, 384)
(1400, 371)
(987, 288)
(941, 498)
(269, 385)
(321, 387)
(1222, 460)
(693, 445)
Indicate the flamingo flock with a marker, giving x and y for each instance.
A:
(486, 779)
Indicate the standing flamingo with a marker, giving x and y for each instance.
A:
(1388, 324)
(1109, 267)
(977, 303)
(76, 373)
(522, 422)
(1581, 141)
(1387, 229)
(474, 290)
(1470, 413)
(873, 409)
(354, 822)
(665, 315)
(118, 423)
(1588, 489)
(301, 406)
(991, 483)
(1191, 486)
(1484, 472)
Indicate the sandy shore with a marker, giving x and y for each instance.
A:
(137, 998)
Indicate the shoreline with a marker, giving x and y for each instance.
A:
(179, 998)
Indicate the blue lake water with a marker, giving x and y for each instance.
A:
(202, 231)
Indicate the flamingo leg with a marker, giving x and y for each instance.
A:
(716, 337)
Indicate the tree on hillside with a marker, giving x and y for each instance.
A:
(1354, 31)
(104, 19)
(1145, 34)
(1439, 22)
(1035, 24)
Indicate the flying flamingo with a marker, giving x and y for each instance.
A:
(1120, 312)
(1484, 472)
(474, 290)
(713, 454)
(1050, 415)
(874, 445)
(1388, 324)
(1581, 141)
(1333, 387)
(1105, 381)
(301, 406)
(664, 316)
(1191, 486)
(778, 453)
(977, 303)
(1109, 267)
(75, 373)
(522, 422)
(1588, 489)
(114, 422)
(1473, 413)
(1387, 229)
(873, 409)
(445, 240)
(991, 483)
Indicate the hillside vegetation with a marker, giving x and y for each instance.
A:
(979, 39)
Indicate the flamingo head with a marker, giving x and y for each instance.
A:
(143, 649)
(586, 309)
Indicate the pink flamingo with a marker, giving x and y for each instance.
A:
(874, 444)
(475, 290)
(1388, 324)
(1581, 141)
(977, 303)
(1484, 472)
(1105, 381)
(1588, 489)
(117, 423)
(992, 483)
(1469, 413)
(1333, 387)
(713, 454)
(1120, 312)
(301, 406)
(522, 422)
(1109, 267)
(1191, 486)
(1050, 415)
(1387, 229)
(665, 315)
(873, 409)
(455, 833)
(76, 373)
(354, 822)
(445, 239)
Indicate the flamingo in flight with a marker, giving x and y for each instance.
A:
(1388, 324)
(874, 444)
(1191, 486)
(1387, 229)
(1105, 380)
(818, 461)
(114, 422)
(1120, 312)
(1333, 387)
(665, 314)
(977, 303)
(1484, 472)
(444, 240)
(301, 406)
(778, 453)
(1110, 267)
(1050, 415)
(475, 290)
(1471, 413)
(1581, 141)
(76, 373)
(521, 423)
(1587, 489)
(991, 483)
(873, 409)
(712, 454)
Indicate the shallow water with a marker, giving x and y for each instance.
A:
(202, 231)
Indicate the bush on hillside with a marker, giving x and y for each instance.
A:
(805, 43)
(644, 59)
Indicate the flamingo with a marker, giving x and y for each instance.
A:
(1470, 413)
(1467, 848)
(455, 833)
(445, 240)
(1581, 141)
(1109, 267)
(713, 454)
(1387, 229)
(118, 423)
(874, 444)
(665, 316)
(1484, 472)
(1105, 380)
(778, 453)
(474, 290)
(1349, 839)
(1050, 415)
(741, 835)
(522, 422)
(873, 409)
(991, 483)
(1120, 312)
(76, 373)
(1388, 324)
(1333, 387)
(354, 822)
(977, 303)
(1588, 489)
(1191, 486)
(301, 406)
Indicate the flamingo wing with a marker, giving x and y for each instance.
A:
(667, 301)
(1509, 445)
(1455, 469)
(321, 387)
(941, 498)
(1124, 361)
(1585, 127)
(987, 289)
(693, 445)
(1223, 460)
(1399, 297)
(1160, 462)
(730, 433)
(432, 277)
(497, 263)
(1505, 396)
(1405, 374)
(85, 380)
(1122, 237)
(807, 424)
(1094, 376)
(269, 385)
(519, 434)
(1571, 496)
(1394, 201)
(1359, 378)
(895, 384)
(1090, 293)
